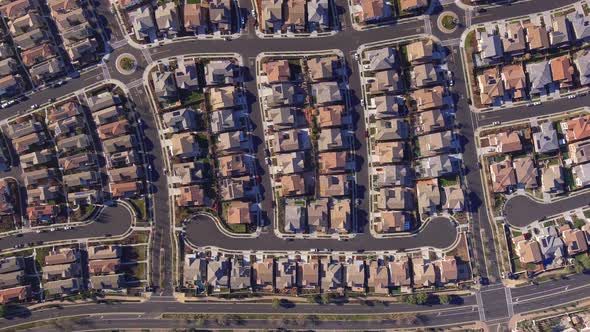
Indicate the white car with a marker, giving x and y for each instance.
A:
(357, 57)
(571, 96)
(52, 229)
(537, 103)
(253, 13)
(495, 123)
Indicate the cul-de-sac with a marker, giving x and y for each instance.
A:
(343, 165)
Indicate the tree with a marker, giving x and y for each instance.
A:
(276, 303)
(444, 299)
(312, 299)
(326, 298)
(422, 298)
(409, 299)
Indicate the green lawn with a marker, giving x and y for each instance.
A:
(239, 228)
(448, 22)
(195, 96)
(193, 2)
(139, 204)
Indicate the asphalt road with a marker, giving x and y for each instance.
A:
(520, 211)
(112, 222)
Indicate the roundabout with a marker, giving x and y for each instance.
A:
(126, 64)
(448, 22)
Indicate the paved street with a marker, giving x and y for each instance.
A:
(520, 211)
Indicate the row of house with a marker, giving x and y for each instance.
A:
(535, 77)
(77, 34)
(13, 285)
(223, 104)
(295, 16)
(426, 122)
(120, 145)
(550, 246)
(30, 139)
(366, 12)
(316, 274)
(168, 20)
(308, 140)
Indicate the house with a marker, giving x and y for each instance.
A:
(563, 71)
(420, 52)
(294, 12)
(581, 25)
(271, 20)
(514, 80)
(575, 241)
(107, 115)
(579, 151)
(31, 39)
(113, 129)
(36, 158)
(125, 189)
(526, 172)
(448, 270)
(326, 93)
(288, 163)
(118, 144)
(393, 175)
(539, 76)
(196, 17)
(121, 159)
(20, 129)
(240, 275)
(237, 141)
(333, 276)
(235, 188)
(386, 106)
(224, 97)
(577, 128)
(435, 143)
(82, 52)
(11, 85)
(47, 70)
(429, 121)
(545, 140)
(63, 6)
(489, 45)
(18, 8)
(355, 274)
(238, 212)
(8, 66)
(371, 11)
(43, 194)
(283, 94)
(40, 176)
(143, 24)
(424, 75)
(331, 116)
(582, 61)
(38, 54)
(263, 273)
(191, 196)
(333, 185)
(295, 184)
(285, 274)
(107, 282)
(82, 179)
(167, 19)
(62, 287)
(400, 272)
(551, 246)
(103, 266)
(220, 72)
(391, 129)
(424, 272)
(234, 165)
(559, 34)
(194, 271)
(581, 174)
(295, 216)
(218, 274)
(318, 216)
(165, 87)
(513, 41)
(220, 15)
(536, 37)
(552, 179)
(454, 198)
(15, 294)
(428, 196)
(310, 274)
(318, 15)
(185, 145)
(393, 221)
(83, 197)
(66, 126)
(388, 152)
(412, 5)
(42, 213)
(429, 98)
(505, 142)
(277, 71)
(332, 162)
(73, 143)
(180, 120)
(382, 59)
(64, 111)
(323, 67)
(291, 140)
(340, 216)
(396, 198)
(225, 120)
(125, 174)
(385, 81)
(503, 176)
(186, 74)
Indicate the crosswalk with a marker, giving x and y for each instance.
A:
(105, 71)
(468, 16)
(451, 42)
(427, 25)
(147, 55)
(135, 84)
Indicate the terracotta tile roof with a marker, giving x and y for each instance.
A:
(503, 176)
(578, 128)
(238, 212)
(277, 71)
(562, 71)
(191, 196)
